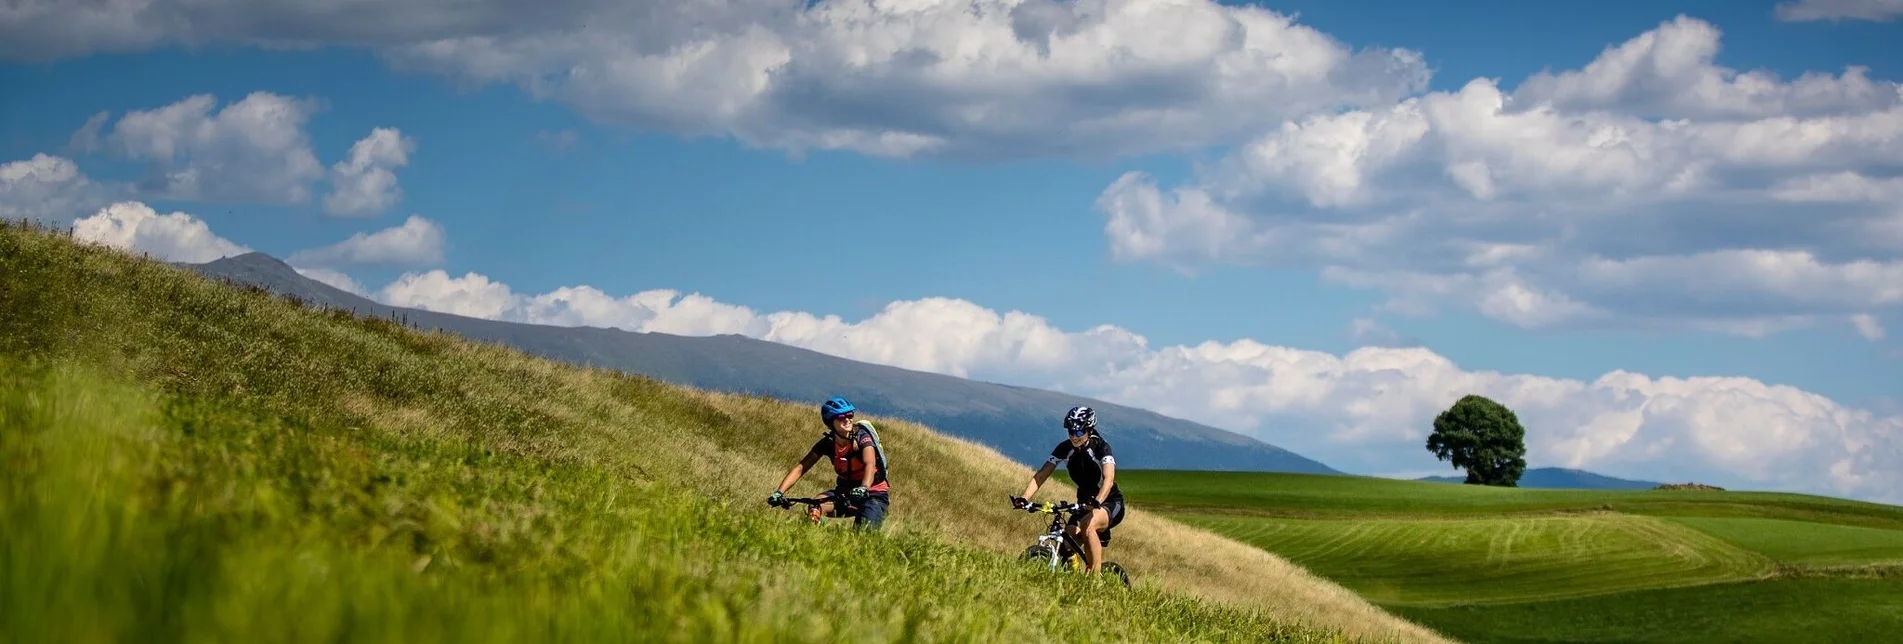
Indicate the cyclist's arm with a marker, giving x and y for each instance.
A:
(1109, 479)
(871, 459)
(799, 469)
(1037, 478)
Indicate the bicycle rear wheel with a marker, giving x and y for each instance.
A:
(1113, 568)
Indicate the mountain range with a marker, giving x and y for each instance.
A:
(1020, 422)
(1560, 477)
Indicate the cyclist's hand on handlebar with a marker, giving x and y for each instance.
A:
(774, 498)
(1018, 502)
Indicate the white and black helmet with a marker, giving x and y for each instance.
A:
(1081, 418)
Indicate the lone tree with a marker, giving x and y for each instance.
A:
(1482, 436)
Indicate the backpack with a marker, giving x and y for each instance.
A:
(878, 448)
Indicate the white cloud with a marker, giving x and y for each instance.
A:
(556, 140)
(1368, 332)
(336, 279)
(1368, 410)
(1867, 326)
(175, 237)
(1808, 10)
(1670, 71)
(417, 242)
(471, 295)
(1651, 188)
(86, 139)
(365, 182)
(52, 190)
(983, 78)
(254, 150)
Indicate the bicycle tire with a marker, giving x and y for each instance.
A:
(1038, 553)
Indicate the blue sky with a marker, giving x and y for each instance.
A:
(626, 182)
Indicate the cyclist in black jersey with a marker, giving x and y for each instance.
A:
(1087, 456)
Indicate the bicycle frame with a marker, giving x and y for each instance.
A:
(1062, 547)
(1056, 550)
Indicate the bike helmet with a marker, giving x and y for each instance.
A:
(1083, 418)
(832, 408)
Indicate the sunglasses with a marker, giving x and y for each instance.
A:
(847, 416)
(1077, 432)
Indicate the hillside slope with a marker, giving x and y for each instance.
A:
(186, 460)
(1018, 421)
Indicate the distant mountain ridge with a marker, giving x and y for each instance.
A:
(1561, 478)
(1020, 422)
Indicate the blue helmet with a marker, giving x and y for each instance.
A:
(833, 408)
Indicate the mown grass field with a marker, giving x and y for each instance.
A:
(183, 460)
(1488, 564)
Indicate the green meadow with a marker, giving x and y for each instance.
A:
(1488, 564)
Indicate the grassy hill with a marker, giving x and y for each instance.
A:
(187, 460)
(1020, 422)
(1488, 564)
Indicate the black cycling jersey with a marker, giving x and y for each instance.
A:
(1086, 466)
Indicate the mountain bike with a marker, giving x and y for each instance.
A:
(1058, 550)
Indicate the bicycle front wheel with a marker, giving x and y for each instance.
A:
(1038, 554)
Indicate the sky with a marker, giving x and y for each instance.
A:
(1668, 235)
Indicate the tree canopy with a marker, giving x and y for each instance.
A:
(1482, 437)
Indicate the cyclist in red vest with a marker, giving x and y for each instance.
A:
(858, 465)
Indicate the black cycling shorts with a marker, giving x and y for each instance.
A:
(1112, 506)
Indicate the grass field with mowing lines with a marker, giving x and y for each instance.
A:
(1803, 542)
(181, 460)
(1780, 610)
(1323, 496)
(1489, 564)
(1455, 561)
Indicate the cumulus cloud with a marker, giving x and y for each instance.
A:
(364, 183)
(1670, 71)
(1868, 326)
(51, 190)
(1653, 187)
(175, 237)
(335, 279)
(417, 242)
(983, 78)
(86, 139)
(254, 150)
(1368, 410)
(1809, 10)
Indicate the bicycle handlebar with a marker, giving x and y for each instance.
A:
(1050, 508)
(787, 502)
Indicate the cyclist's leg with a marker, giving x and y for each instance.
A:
(1115, 508)
(827, 508)
(871, 514)
(1093, 550)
